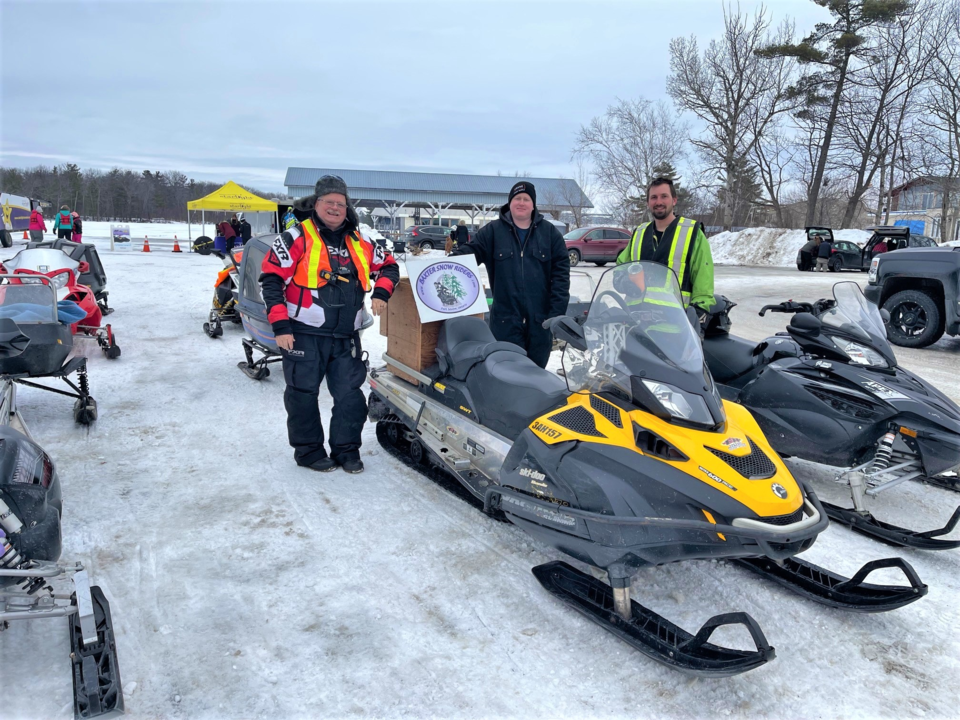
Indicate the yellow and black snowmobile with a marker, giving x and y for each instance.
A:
(634, 461)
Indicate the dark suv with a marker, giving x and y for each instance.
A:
(598, 245)
(427, 237)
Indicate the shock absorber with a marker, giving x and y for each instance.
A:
(881, 460)
(11, 559)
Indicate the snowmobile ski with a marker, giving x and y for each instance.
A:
(653, 635)
(867, 524)
(949, 482)
(827, 588)
(97, 692)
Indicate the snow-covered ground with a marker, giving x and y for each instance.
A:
(769, 246)
(243, 586)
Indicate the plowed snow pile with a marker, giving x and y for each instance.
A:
(768, 246)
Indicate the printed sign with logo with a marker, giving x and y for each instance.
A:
(120, 237)
(447, 288)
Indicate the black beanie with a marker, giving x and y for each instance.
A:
(524, 186)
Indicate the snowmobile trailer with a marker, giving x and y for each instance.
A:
(30, 547)
(635, 461)
(830, 390)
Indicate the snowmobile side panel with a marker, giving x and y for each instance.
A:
(97, 690)
(653, 635)
(827, 588)
(867, 524)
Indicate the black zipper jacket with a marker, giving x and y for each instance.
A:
(530, 282)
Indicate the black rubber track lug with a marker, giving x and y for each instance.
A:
(867, 524)
(97, 691)
(827, 588)
(398, 448)
(653, 635)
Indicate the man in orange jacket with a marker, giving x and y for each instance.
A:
(314, 280)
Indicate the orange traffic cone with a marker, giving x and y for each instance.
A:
(176, 245)
(146, 244)
(25, 236)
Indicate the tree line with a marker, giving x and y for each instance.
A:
(121, 195)
(778, 130)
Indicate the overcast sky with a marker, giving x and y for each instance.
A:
(243, 90)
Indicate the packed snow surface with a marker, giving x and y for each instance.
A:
(244, 586)
(769, 246)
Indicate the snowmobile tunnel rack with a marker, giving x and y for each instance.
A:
(575, 520)
(409, 370)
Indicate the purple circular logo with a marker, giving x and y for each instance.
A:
(448, 287)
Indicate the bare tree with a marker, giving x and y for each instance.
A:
(940, 118)
(774, 155)
(735, 91)
(626, 143)
(572, 197)
(833, 53)
(873, 114)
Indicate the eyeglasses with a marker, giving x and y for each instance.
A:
(331, 204)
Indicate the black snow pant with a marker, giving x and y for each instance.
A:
(339, 360)
(531, 337)
(64, 233)
(806, 261)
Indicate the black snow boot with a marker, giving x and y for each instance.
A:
(326, 464)
(352, 466)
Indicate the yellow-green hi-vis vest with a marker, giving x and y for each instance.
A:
(680, 246)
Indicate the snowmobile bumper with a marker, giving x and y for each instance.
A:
(653, 635)
(775, 542)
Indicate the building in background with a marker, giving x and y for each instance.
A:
(919, 203)
(398, 200)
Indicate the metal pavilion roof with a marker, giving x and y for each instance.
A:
(420, 188)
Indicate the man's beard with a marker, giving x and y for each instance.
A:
(660, 214)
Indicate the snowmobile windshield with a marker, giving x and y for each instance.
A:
(641, 345)
(864, 337)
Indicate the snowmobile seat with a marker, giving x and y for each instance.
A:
(466, 341)
(510, 391)
(731, 357)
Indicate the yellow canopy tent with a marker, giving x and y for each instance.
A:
(229, 198)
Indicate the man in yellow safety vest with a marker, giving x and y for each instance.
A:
(677, 242)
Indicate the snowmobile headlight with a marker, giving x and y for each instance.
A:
(861, 354)
(680, 404)
(59, 281)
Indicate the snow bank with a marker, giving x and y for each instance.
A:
(768, 246)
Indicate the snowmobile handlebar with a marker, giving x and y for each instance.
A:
(788, 306)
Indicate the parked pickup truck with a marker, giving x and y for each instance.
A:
(920, 288)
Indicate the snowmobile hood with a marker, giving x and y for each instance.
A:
(736, 461)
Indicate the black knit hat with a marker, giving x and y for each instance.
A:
(524, 186)
(330, 184)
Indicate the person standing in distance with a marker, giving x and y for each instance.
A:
(529, 272)
(677, 242)
(314, 280)
(37, 226)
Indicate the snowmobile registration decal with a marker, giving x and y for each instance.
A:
(440, 387)
(716, 478)
(546, 430)
(733, 443)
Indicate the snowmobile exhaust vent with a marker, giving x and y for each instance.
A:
(610, 412)
(755, 466)
(577, 419)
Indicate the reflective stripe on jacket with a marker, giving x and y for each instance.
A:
(316, 258)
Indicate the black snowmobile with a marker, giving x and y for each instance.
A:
(829, 390)
(635, 461)
(31, 310)
(30, 546)
(225, 289)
